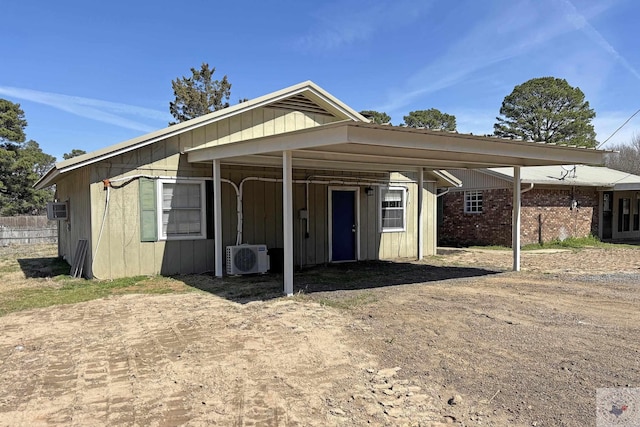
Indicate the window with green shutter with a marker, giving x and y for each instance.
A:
(181, 208)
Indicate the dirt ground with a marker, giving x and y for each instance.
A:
(453, 340)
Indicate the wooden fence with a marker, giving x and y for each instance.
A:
(26, 230)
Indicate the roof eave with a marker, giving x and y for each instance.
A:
(363, 144)
(448, 178)
(141, 141)
(48, 179)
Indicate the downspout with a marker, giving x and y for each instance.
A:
(522, 191)
(444, 192)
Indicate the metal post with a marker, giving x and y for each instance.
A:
(287, 220)
(217, 217)
(515, 232)
(420, 214)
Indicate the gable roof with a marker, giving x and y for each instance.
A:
(305, 96)
(571, 175)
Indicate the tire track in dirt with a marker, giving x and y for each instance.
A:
(191, 359)
(153, 349)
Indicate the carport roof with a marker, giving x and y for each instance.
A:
(574, 175)
(349, 145)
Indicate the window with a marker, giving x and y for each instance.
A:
(472, 201)
(392, 209)
(624, 214)
(181, 208)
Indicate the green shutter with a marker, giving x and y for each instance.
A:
(148, 220)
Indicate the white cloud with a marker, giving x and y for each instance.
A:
(346, 23)
(580, 22)
(103, 111)
(509, 33)
(510, 30)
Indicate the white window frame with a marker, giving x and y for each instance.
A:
(471, 206)
(203, 209)
(381, 227)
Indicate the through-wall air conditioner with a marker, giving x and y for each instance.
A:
(247, 259)
(57, 211)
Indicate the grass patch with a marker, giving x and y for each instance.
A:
(33, 276)
(347, 303)
(9, 269)
(65, 290)
(571, 243)
(240, 289)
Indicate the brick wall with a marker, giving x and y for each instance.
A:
(545, 216)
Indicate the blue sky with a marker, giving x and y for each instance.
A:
(91, 74)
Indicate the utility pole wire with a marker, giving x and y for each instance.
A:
(616, 131)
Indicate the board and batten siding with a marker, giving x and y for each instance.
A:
(74, 189)
(121, 251)
(255, 124)
(404, 244)
(475, 180)
(263, 217)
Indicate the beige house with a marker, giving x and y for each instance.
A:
(297, 171)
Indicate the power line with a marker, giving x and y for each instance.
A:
(616, 131)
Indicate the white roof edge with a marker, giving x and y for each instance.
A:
(455, 182)
(626, 186)
(47, 179)
(615, 184)
(170, 131)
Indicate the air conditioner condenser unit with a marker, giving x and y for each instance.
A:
(247, 259)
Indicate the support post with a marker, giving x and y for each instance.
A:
(515, 231)
(287, 220)
(217, 217)
(420, 214)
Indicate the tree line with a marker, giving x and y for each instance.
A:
(545, 109)
(22, 163)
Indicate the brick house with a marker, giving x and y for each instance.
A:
(557, 202)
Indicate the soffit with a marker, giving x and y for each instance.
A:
(365, 146)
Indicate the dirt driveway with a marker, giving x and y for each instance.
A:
(368, 344)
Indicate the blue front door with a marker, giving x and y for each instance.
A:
(343, 225)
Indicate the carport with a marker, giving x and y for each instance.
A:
(365, 147)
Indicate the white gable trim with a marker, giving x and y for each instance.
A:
(317, 94)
